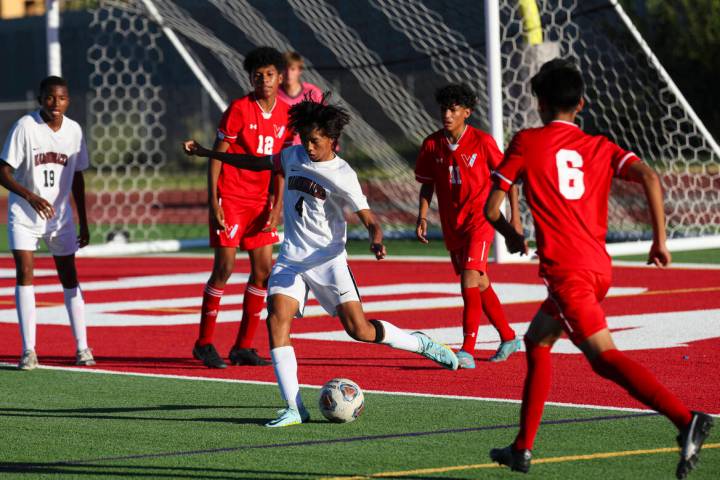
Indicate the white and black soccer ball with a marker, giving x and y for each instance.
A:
(341, 400)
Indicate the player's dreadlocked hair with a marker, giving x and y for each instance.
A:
(263, 57)
(52, 81)
(456, 94)
(309, 115)
(559, 84)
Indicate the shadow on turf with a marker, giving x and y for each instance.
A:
(155, 363)
(105, 413)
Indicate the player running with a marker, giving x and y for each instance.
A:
(41, 164)
(567, 174)
(456, 162)
(312, 257)
(242, 211)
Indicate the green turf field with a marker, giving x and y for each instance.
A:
(59, 424)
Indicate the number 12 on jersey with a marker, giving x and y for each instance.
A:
(570, 175)
(265, 144)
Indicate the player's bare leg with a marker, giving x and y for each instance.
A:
(75, 305)
(479, 296)
(253, 304)
(25, 306)
(223, 265)
(360, 328)
(282, 309)
(544, 330)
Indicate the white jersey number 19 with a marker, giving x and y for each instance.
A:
(570, 175)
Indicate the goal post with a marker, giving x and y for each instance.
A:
(383, 60)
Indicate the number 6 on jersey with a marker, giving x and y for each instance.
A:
(570, 175)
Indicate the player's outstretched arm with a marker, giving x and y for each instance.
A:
(515, 242)
(640, 172)
(39, 204)
(425, 198)
(515, 219)
(376, 235)
(78, 193)
(240, 160)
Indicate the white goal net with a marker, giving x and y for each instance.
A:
(383, 59)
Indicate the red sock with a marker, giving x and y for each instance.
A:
(253, 304)
(641, 384)
(471, 317)
(535, 393)
(209, 313)
(495, 313)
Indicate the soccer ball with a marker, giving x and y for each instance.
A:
(341, 400)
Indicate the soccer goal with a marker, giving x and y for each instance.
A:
(163, 71)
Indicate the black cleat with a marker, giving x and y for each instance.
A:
(517, 460)
(209, 356)
(247, 356)
(691, 440)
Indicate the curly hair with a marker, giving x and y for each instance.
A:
(559, 84)
(456, 94)
(263, 57)
(309, 115)
(52, 81)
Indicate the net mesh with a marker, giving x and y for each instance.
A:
(383, 60)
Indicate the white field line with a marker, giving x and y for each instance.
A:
(317, 387)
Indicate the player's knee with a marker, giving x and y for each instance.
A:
(221, 272)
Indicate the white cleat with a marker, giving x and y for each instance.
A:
(28, 361)
(84, 358)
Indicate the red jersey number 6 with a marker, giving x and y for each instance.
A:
(570, 175)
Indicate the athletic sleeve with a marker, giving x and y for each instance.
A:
(230, 124)
(423, 165)
(82, 162)
(621, 159)
(351, 191)
(13, 152)
(512, 165)
(493, 154)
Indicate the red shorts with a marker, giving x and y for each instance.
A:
(574, 300)
(243, 227)
(472, 256)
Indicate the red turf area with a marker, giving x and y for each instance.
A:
(687, 370)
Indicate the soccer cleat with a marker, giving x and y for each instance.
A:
(208, 355)
(691, 440)
(84, 358)
(247, 356)
(506, 349)
(517, 460)
(290, 416)
(465, 360)
(28, 361)
(437, 352)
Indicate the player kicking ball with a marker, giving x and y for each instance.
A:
(312, 257)
(456, 162)
(41, 164)
(567, 175)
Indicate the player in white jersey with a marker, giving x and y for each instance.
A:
(318, 184)
(41, 164)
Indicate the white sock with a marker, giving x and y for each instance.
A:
(75, 305)
(285, 365)
(25, 306)
(399, 339)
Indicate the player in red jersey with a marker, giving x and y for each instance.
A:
(456, 163)
(566, 175)
(242, 212)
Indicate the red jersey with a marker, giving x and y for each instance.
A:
(566, 176)
(249, 130)
(461, 175)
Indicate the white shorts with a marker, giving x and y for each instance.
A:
(331, 283)
(61, 242)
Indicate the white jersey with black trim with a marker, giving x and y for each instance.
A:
(315, 196)
(45, 163)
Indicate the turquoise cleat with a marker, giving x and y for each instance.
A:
(506, 349)
(290, 416)
(465, 359)
(437, 352)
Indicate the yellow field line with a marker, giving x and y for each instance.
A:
(567, 458)
(39, 304)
